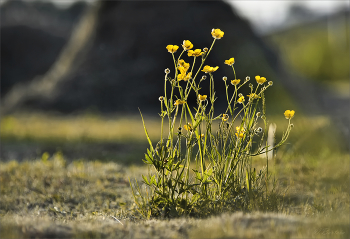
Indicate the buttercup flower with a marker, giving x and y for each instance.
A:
(225, 117)
(188, 127)
(240, 132)
(202, 97)
(187, 45)
(289, 114)
(183, 76)
(241, 99)
(209, 69)
(179, 102)
(217, 33)
(195, 53)
(185, 65)
(230, 61)
(172, 48)
(235, 82)
(253, 96)
(260, 80)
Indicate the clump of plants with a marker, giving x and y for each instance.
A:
(204, 163)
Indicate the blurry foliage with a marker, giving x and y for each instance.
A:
(318, 50)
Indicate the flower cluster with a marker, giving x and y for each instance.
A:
(183, 68)
(240, 131)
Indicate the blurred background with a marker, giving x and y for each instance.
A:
(74, 73)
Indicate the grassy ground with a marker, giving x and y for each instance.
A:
(80, 187)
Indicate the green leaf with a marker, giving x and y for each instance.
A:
(145, 180)
(144, 127)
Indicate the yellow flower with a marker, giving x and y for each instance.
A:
(179, 102)
(195, 53)
(217, 33)
(240, 132)
(184, 64)
(289, 114)
(188, 127)
(241, 99)
(202, 97)
(209, 69)
(187, 45)
(183, 76)
(235, 82)
(253, 96)
(225, 117)
(260, 80)
(230, 61)
(172, 48)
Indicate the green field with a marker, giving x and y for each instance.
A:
(68, 177)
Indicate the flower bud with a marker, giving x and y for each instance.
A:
(240, 95)
(270, 83)
(224, 78)
(161, 98)
(205, 49)
(250, 85)
(247, 78)
(258, 130)
(258, 114)
(167, 71)
(204, 77)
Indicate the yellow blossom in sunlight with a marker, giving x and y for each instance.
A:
(187, 45)
(202, 97)
(172, 48)
(225, 117)
(217, 33)
(195, 53)
(230, 61)
(179, 102)
(182, 69)
(188, 127)
(289, 114)
(235, 82)
(260, 80)
(241, 99)
(209, 69)
(253, 96)
(184, 77)
(183, 64)
(240, 132)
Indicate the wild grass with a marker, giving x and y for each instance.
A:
(54, 197)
